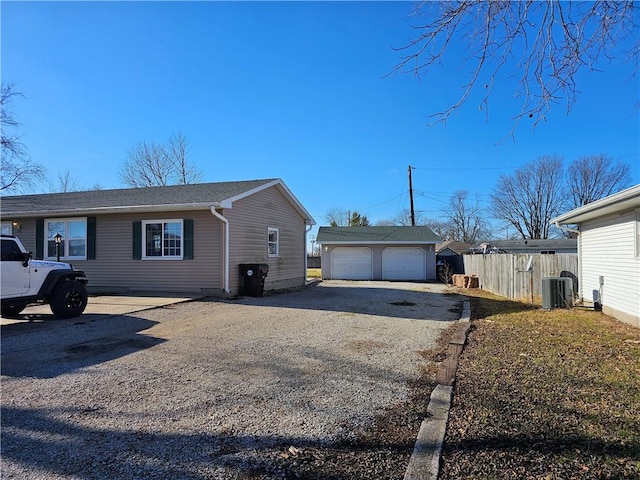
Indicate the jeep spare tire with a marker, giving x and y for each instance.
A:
(68, 299)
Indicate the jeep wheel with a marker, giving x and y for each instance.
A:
(68, 299)
(11, 311)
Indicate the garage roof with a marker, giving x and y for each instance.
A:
(372, 235)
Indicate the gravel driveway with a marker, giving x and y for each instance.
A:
(214, 389)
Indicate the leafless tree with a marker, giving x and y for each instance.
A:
(545, 45)
(445, 273)
(465, 219)
(67, 183)
(594, 177)
(177, 149)
(442, 228)
(159, 164)
(385, 223)
(531, 197)
(17, 171)
(404, 218)
(337, 217)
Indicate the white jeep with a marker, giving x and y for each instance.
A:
(26, 281)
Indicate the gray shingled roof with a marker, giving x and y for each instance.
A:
(546, 244)
(396, 234)
(458, 247)
(194, 196)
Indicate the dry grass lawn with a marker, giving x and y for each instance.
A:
(314, 273)
(544, 395)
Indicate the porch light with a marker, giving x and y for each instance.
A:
(58, 239)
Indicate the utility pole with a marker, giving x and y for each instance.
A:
(413, 215)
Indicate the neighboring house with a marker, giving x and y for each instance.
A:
(182, 238)
(378, 253)
(450, 252)
(451, 248)
(548, 246)
(609, 253)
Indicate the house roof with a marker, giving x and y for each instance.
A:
(623, 200)
(370, 235)
(540, 244)
(199, 196)
(458, 247)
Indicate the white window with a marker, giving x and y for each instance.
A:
(73, 238)
(162, 239)
(7, 228)
(273, 242)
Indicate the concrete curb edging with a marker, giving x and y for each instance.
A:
(425, 459)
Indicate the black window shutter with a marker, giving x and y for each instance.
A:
(137, 240)
(40, 238)
(91, 238)
(188, 239)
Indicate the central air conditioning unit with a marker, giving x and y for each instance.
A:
(557, 292)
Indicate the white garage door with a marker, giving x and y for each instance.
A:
(351, 263)
(404, 264)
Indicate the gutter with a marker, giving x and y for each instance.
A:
(226, 246)
(567, 229)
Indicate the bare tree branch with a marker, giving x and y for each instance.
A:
(465, 219)
(156, 164)
(558, 40)
(531, 197)
(18, 172)
(178, 148)
(67, 183)
(594, 177)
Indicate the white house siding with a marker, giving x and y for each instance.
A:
(608, 251)
(250, 218)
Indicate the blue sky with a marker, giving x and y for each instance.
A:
(294, 90)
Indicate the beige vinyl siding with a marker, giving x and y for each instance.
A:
(27, 234)
(608, 250)
(114, 268)
(249, 221)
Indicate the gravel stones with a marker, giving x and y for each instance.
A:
(283, 386)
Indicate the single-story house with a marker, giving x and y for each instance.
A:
(609, 252)
(451, 248)
(549, 246)
(180, 238)
(450, 252)
(378, 253)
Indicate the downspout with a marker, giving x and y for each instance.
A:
(579, 239)
(226, 248)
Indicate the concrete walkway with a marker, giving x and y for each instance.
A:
(98, 306)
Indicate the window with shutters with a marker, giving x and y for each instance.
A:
(162, 239)
(73, 238)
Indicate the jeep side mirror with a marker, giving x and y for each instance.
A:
(26, 258)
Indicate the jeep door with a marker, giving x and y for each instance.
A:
(15, 276)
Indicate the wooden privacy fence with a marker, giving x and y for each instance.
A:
(506, 274)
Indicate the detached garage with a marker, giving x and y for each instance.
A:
(378, 253)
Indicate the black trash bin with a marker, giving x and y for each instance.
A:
(254, 275)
